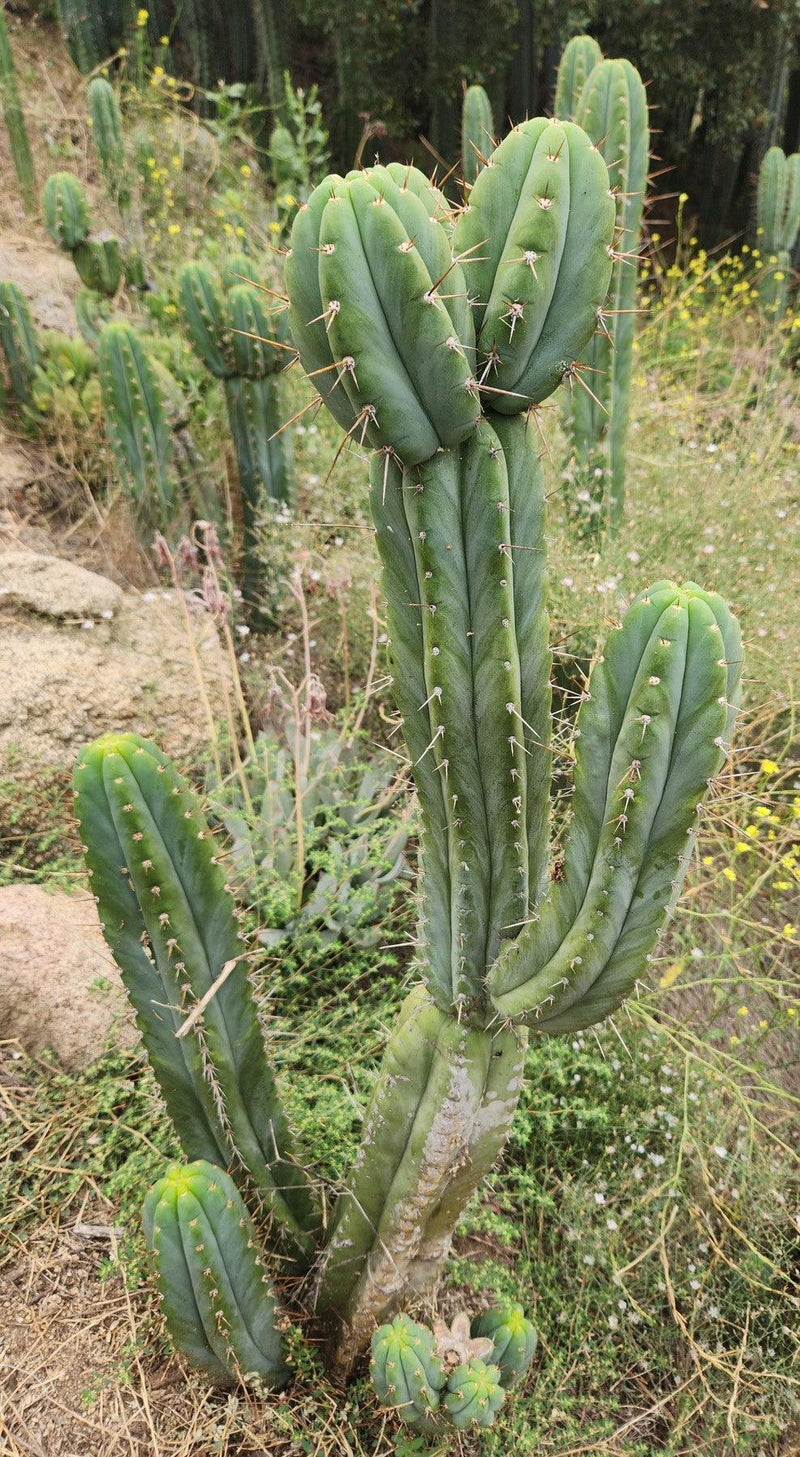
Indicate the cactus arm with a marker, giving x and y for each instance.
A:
(403, 594)
(14, 118)
(514, 1338)
(18, 341)
(108, 137)
(474, 1394)
(580, 56)
(652, 734)
(65, 211)
(188, 918)
(410, 379)
(477, 131)
(203, 313)
(545, 208)
(436, 1102)
(135, 420)
(210, 1278)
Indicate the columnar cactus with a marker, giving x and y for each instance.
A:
(477, 132)
(230, 327)
(612, 109)
(778, 224)
(378, 281)
(578, 60)
(14, 118)
(18, 341)
(210, 1275)
(135, 422)
(66, 217)
(107, 133)
(94, 29)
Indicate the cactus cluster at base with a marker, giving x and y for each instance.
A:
(231, 328)
(442, 390)
(433, 1382)
(777, 227)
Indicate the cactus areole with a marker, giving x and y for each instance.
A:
(379, 279)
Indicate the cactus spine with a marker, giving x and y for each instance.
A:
(613, 111)
(210, 1278)
(232, 332)
(15, 121)
(135, 422)
(18, 342)
(579, 58)
(440, 390)
(477, 132)
(778, 224)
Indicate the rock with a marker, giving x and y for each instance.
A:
(47, 277)
(59, 987)
(55, 588)
(66, 680)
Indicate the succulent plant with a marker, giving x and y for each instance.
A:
(352, 840)
(66, 216)
(513, 1340)
(612, 109)
(474, 1394)
(505, 951)
(94, 29)
(108, 137)
(579, 58)
(135, 421)
(14, 118)
(231, 330)
(778, 225)
(219, 1306)
(477, 132)
(18, 342)
(406, 1371)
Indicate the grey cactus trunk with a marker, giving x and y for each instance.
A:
(441, 393)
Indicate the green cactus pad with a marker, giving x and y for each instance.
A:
(578, 60)
(474, 1395)
(652, 733)
(170, 923)
(406, 1371)
(65, 211)
(514, 1341)
(218, 1304)
(535, 243)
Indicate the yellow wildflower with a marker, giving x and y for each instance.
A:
(728, 873)
(768, 766)
(142, 17)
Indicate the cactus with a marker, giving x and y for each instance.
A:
(513, 1338)
(474, 1395)
(136, 811)
(579, 58)
(440, 390)
(778, 224)
(94, 29)
(65, 211)
(231, 330)
(109, 141)
(209, 1273)
(406, 1371)
(92, 313)
(66, 216)
(477, 131)
(613, 112)
(18, 342)
(135, 422)
(15, 122)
